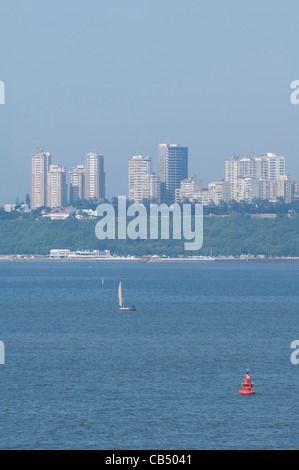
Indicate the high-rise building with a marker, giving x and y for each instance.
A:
(268, 166)
(246, 174)
(272, 189)
(40, 167)
(57, 187)
(232, 169)
(143, 183)
(95, 177)
(155, 188)
(77, 184)
(246, 189)
(173, 168)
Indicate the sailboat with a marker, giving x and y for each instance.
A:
(122, 306)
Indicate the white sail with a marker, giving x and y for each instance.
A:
(120, 296)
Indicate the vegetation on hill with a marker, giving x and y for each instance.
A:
(234, 234)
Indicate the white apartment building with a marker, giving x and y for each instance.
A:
(143, 183)
(232, 169)
(269, 166)
(271, 189)
(77, 183)
(245, 189)
(94, 177)
(219, 191)
(40, 167)
(244, 173)
(57, 187)
(216, 193)
(189, 189)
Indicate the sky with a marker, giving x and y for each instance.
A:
(120, 77)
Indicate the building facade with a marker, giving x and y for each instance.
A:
(94, 177)
(40, 168)
(272, 189)
(189, 189)
(262, 177)
(77, 184)
(172, 169)
(143, 183)
(219, 191)
(57, 187)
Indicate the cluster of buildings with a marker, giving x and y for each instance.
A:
(172, 169)
(49, 181)
(246, 179)
(95, 254)
(261, 177)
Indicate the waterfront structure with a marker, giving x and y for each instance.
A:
(94, 177)
(77, 184)
(143, 183)
(172, 169)
(57, 187)
(95, 254)
(40, 166)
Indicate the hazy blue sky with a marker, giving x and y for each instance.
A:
(121, 76)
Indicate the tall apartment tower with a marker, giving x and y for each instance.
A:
(270, 166)
(77, 184)
(172, 169)
(143, 183)
(257, 177)
(40, 167)
(94, 176)
(57, 187)
(232, 169)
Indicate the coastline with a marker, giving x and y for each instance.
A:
(46, 259)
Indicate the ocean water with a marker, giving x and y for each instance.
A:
(79, 374)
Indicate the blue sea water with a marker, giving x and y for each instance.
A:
(79, 374)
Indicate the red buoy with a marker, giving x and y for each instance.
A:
(247, 386)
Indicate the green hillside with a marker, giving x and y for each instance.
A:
(233, 235)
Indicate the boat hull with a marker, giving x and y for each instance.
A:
(127, 309)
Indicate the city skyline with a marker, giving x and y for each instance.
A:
(246, 179)
(220, 97)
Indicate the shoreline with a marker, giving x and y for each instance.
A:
(41, 259)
